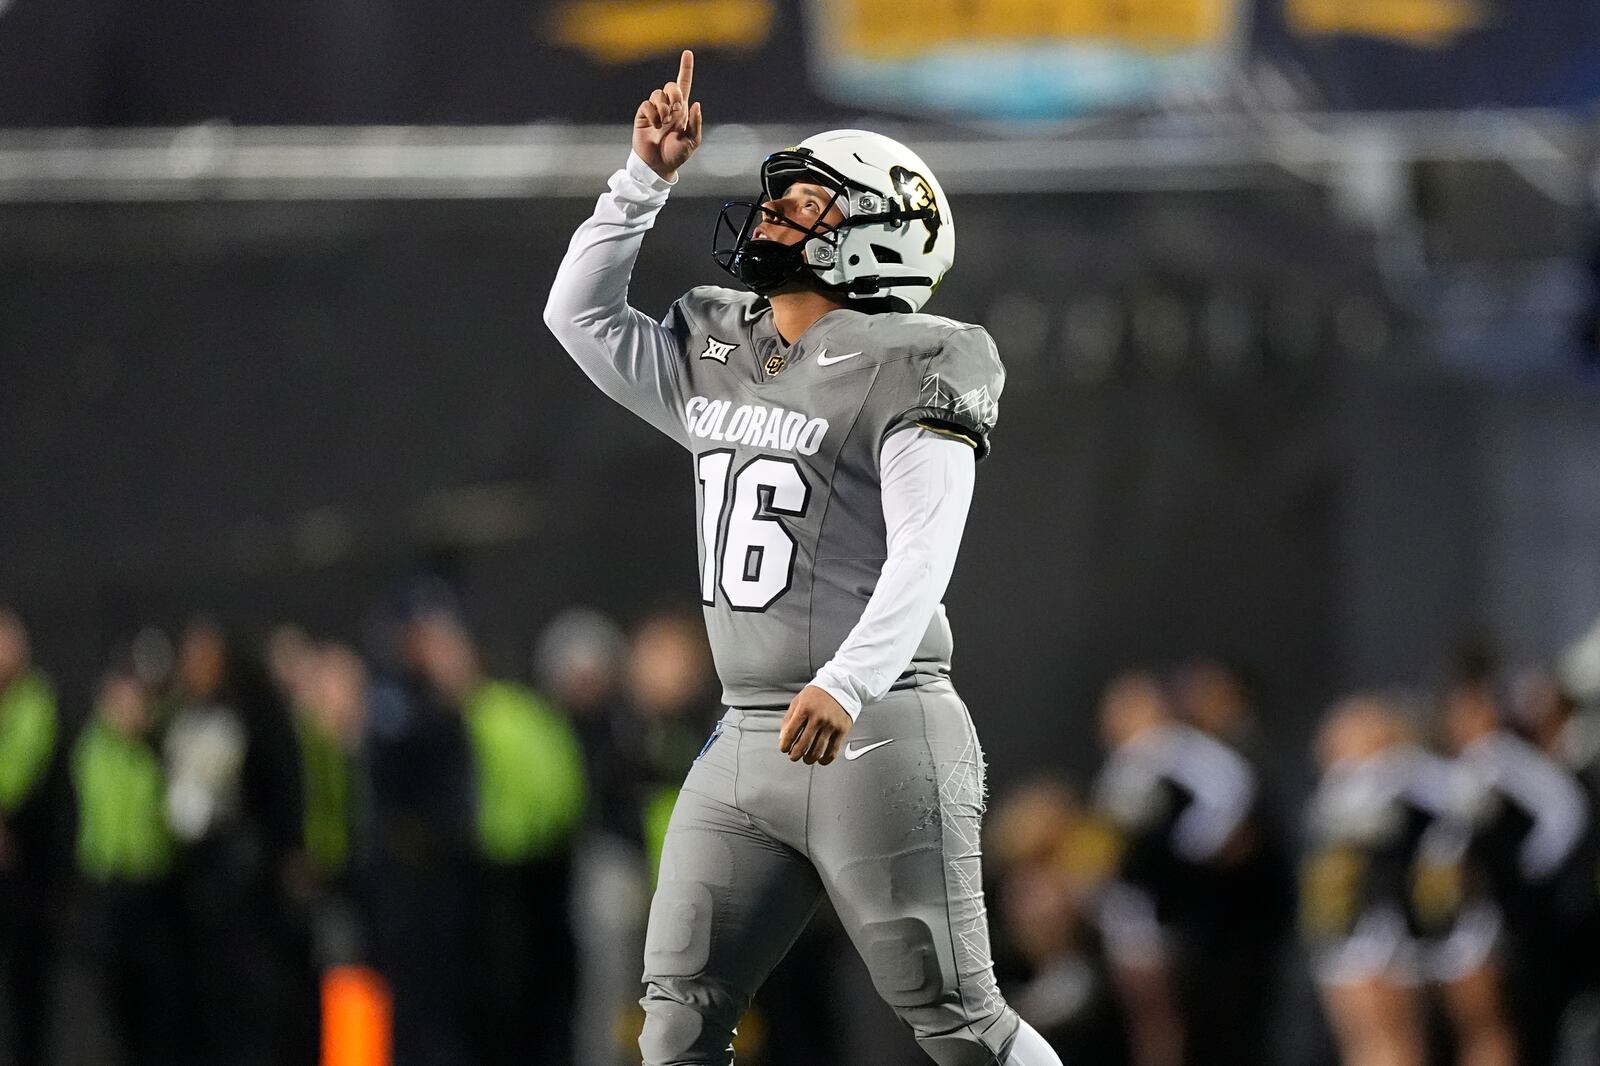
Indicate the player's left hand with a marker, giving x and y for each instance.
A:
(814, 727)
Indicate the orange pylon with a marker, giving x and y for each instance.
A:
(357, 1018)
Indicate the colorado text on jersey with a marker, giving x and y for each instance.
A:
(756, 425)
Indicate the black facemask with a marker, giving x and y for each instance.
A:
(767, 266)
(764, 265)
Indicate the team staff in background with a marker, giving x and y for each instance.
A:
(128, 860)
(834, 433)
(29, 839)
(233, 803)
(527, 774)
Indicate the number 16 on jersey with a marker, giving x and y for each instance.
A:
(746, 549)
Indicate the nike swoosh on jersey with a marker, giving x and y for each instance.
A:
(851, 752)
(824, 359)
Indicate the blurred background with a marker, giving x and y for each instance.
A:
(349, 656)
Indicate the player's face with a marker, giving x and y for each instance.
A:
(802, 204)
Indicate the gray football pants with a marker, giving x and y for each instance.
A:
(891, 836)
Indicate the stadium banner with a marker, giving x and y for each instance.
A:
(816, 62)
(1021, 59)
(1360, 55)
(600, 57)
(629, 31)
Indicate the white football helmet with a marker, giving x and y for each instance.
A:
(893, 248)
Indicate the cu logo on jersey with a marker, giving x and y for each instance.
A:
(718, 350)
(918, 196)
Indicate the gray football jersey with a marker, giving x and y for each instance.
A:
(786, 443)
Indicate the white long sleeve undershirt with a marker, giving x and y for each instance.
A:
(927, 487)
(926, 477)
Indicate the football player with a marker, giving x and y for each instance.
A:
(834, 432)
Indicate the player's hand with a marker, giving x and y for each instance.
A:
(667, 127)
(814, 727)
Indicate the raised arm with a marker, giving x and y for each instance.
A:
(630, 356)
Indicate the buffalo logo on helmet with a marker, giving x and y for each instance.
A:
(917, 193)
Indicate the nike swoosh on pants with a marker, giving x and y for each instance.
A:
(851, 752)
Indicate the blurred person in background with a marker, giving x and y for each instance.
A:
(1383, 902)
(673, 705)
(423, 831)
(233, 801)
(126, 857)
(1547, 713)
(1215, 697)
(1049, 858)
(1200, 902)
(1533, 842)
(1218, 697)
(578, 662)
(290, 656)
(1546, 710)
(325, 686)
(528, 771)
(30, 805)
(331, 724)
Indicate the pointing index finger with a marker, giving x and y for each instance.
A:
(686, 73)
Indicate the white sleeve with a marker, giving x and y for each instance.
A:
(632, 357)
(1556, 803)
(927, 487)
(1224, 788)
